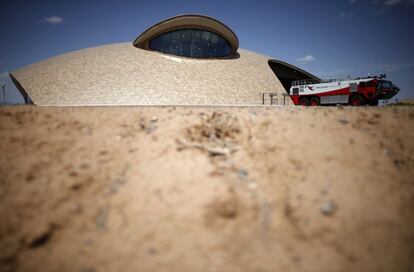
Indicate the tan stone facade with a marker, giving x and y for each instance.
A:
(120, 74)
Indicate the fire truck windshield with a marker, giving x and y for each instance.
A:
(385, 84)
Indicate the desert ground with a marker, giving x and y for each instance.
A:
(93, 189)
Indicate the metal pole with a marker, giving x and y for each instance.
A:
(4, 94)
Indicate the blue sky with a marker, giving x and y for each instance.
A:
(327, 38)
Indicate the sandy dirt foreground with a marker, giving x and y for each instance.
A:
(206, 189)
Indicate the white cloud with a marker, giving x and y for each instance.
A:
(53, 20)
(334, 73)
(4, 75)
(345, 15)
(380, 6)
(306, 59)
(392, 67)
(385, 3)
(391, 3)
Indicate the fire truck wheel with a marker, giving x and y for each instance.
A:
(304, 101)
(356, 100)
(315, 101)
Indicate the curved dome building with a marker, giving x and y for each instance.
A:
(184, 60)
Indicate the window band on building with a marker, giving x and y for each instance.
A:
(192, 42)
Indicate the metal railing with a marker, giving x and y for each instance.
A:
(276, 99)
(305, 82)
(317, 81)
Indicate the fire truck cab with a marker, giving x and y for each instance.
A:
(355, 92)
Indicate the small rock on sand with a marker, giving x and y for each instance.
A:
(328, 208)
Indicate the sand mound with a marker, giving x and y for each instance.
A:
(207, 189)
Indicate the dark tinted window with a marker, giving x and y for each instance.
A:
(193, 43)
(295, 91)
(386, 85)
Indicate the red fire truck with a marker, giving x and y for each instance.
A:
(355, 92)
